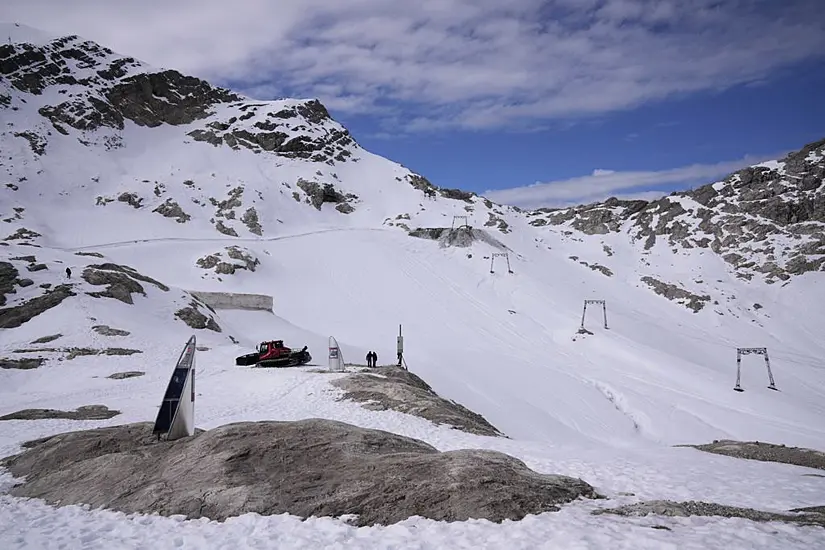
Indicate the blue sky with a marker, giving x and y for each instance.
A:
(531, 102)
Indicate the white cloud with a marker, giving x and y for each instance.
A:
(437, 64)
(603, 184)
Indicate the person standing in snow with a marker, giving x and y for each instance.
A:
(374, 359)
(68, 273)
(369, 358)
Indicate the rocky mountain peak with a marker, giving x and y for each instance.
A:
(82, 86)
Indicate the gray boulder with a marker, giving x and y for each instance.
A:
(307, 468)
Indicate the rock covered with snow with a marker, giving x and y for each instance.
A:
(306, 468)
(401, 390)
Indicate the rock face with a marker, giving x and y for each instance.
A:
(284, 132)
(766, 221)
(766, 452)
(400, 390)
(115, 88)
(306, 468)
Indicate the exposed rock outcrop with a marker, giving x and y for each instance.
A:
(13, 317)
(283, 132)
(86, 412)
(192, 316)
(243, 259)
(8, 279)
(106, 330)
(250, 220)
(766, 221)
(47, 339)
(307, 468)
(121, 281)
(694, 508)
(766, 452)
(691, 301)
(171, 209)
(318, 194)
(400, 390)
(74, 352)
(126, 374)
(22, 364)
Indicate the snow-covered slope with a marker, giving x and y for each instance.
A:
(112, 163)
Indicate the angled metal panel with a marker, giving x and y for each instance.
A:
(177, 410)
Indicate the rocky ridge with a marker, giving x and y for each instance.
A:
(104, 90)
(765, 221)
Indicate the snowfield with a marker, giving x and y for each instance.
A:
(607, 406)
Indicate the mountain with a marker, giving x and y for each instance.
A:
(765, 220)
(155, 188)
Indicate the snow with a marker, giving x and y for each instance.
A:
(606, 407)
(19, 33)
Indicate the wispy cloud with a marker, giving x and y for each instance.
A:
(603, 184)
(435, 64)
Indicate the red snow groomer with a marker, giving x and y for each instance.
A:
(274, 354)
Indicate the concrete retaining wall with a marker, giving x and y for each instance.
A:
(234, 300)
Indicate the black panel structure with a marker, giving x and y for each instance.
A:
(176, 415)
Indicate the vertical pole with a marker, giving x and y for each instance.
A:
(770, 374)
(400, 347)
(492, 259)
(737, 387)
(604, 310)
(583, 312)
(509, 270)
